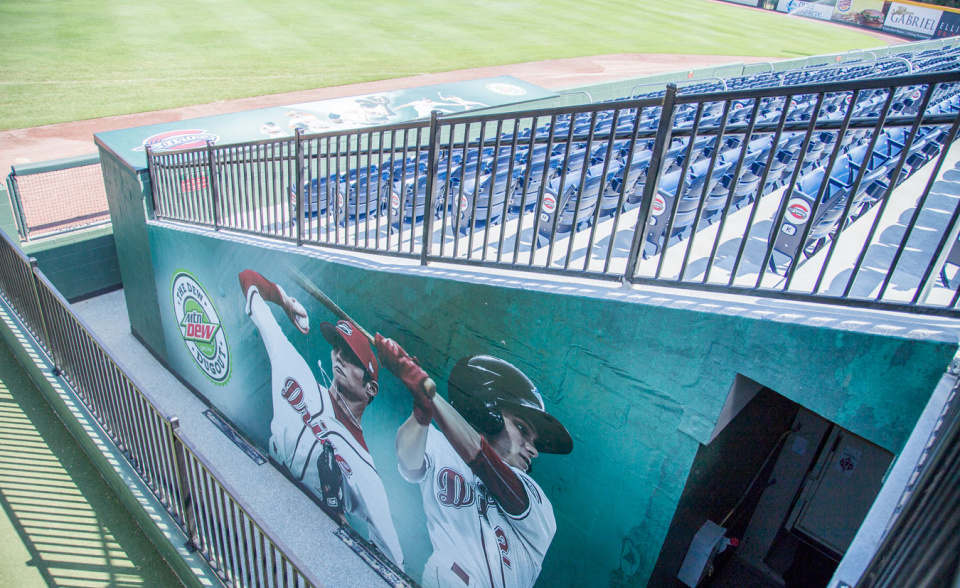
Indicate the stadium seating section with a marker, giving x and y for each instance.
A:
(564, 180)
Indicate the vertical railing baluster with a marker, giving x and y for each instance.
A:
(214, 191)
(299, 184)
(885, 199)
(42, 329)
(433, 164)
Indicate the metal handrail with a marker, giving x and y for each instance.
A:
(863, 53)
(919, 546)
(584, 92)
(723, 83)
(217, 523)
(897, 59)
(392, 191)
(768, 64)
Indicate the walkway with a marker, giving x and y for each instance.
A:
(61, 525)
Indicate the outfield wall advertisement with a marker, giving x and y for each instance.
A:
(868, 14)
(821, 10)
(563, 428)
(949, 25)
(908, 19)
(912, 20)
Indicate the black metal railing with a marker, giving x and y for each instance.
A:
(794, 192)
(349, 179)
(794, 202)
(213, 519)
(921, 545)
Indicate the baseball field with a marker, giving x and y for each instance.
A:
(67, 60)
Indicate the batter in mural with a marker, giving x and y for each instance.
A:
(489, 522)
(369, 110)
(425, 106)
(316, 432)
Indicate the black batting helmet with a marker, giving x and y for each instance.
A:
(480, 386)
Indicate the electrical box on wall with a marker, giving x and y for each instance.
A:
(839, 491)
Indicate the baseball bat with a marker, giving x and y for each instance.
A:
(311, 289)
(429, 386)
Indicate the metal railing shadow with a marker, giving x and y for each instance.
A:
(57, 503)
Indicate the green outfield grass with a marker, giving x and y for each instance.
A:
(65, 60)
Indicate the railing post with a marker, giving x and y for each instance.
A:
(17, 204)
(214, 188)
(185, 502)
(152, 174)
(660, 146)
(42, 327)
(299, 185)
(433, 165)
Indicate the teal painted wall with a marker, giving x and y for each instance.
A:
(8, 224)
(640, 387)
(79, 264)
(127, 196)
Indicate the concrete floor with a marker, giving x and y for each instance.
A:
(288, 515)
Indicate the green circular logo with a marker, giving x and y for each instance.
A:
(200, 327)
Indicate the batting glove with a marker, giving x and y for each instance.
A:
(407, 369)
(331, 479)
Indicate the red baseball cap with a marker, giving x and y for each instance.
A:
(355, 339)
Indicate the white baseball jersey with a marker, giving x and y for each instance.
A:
(304, 415)
(475, 543)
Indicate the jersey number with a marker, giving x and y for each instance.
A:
(504, 545)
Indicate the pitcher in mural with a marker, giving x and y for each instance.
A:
(489, 522)
(316, 432)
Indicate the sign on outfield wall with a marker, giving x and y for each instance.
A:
(746, 2)
(912, 21)
(919, 21)
(949, 25)
(864, 13)
(822, 10)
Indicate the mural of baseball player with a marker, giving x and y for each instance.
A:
(316, 432)
(306, 122)
(466, 104)
(489, 522)
(370, 110)
(425, 106)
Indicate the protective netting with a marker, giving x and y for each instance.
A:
(58, 201)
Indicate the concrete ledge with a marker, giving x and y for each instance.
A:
(147, 511)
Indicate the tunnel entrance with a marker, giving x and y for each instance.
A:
(773, 500)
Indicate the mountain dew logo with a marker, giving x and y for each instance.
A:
(200, 327)
(195, 327)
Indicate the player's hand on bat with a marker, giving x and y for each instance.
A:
(407, 369)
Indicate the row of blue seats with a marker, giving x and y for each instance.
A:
(779, 171)
(487, 186)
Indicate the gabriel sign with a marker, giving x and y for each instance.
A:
(915, 21)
